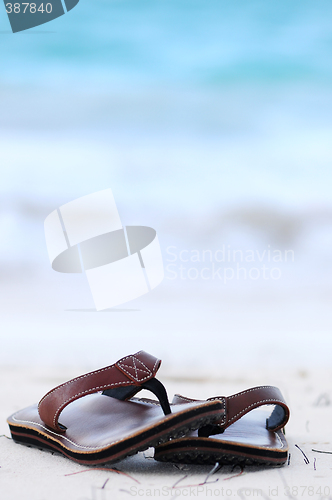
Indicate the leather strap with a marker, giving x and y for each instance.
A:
(132, 370)
(243, 402)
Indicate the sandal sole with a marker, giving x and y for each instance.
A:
(171, 428)
(200, 451)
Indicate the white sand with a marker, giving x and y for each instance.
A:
(32, 474)
(211, 342)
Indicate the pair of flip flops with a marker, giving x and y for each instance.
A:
(102, 420)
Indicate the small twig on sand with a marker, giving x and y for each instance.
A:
(236, 475)
(215, 468)
(178, 481)
(321, 451)
(103, 486)
(323, 400)
(104, 469)
(305, 458)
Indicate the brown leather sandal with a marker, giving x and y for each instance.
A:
(104, 426)
(242, 436)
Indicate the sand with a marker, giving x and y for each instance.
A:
(31, 474)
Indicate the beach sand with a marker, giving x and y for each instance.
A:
(211, 344)
(37, 475)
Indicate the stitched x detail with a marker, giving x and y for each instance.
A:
(137, 370)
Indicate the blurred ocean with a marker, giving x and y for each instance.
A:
(210, 120)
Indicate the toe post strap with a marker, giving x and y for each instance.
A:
(129, 374)
(153, 385)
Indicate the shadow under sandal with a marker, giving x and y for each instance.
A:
(247, 434)
(98, 424)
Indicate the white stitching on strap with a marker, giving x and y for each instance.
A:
(252, 390)
(98, 388)
(74, 380)
(154, 366)
(255, 389)
(81, 377)
(273, 401)
(136, 369)
(223, 400)
(122, 365)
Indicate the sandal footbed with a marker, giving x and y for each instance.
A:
(103, 429)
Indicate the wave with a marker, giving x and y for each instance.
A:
(207, 43)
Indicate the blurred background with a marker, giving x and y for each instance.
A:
(211, 121)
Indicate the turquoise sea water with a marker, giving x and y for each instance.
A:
(211, 121)
(190, 110)
(205, 43)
